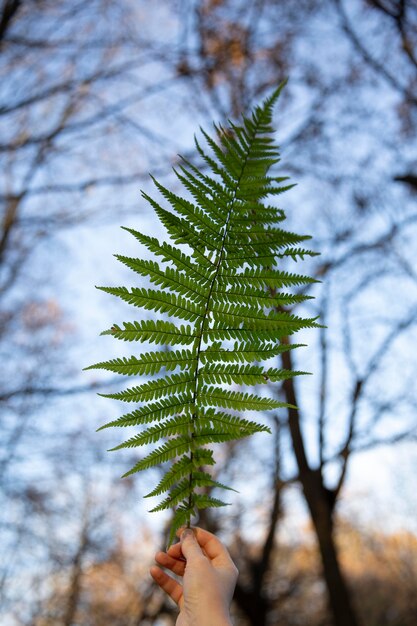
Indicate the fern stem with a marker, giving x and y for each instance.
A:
(207, 309)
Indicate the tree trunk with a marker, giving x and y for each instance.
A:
(321, 503)
(321, 510)
(253, 605)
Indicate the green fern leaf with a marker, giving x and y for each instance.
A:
(221, 271)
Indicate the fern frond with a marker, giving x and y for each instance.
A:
(165, 407)
(282, 322)
(192, 213)
(199, 183)
(219, 271)
(169, 450)
(228, 374)
(169, 278)
(159, 301)
(153, 331)
(230, 423)
(203, 501)
(257, 297)
(173, 255)
(186, 488)
(238, 400)
(179, 425)
(147, 363)
(154, 389)
(247, 352)
(181, 231)
(183, 467)
(181, 517)
(274, 279)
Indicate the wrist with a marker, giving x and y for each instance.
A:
(223, 620)
(215, 619)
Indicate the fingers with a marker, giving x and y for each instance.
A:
(174, 564)
(167, 584)
(211, 545)
(190, 546)
(175, 551)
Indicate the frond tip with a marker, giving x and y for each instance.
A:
(224, 306)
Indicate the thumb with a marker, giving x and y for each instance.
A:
(189, 545)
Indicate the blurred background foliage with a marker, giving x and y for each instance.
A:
(93, 96)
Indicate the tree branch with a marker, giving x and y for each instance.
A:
(369, 59)
(8, 12)
(359, 387)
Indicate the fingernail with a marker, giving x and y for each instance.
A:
(187, 532)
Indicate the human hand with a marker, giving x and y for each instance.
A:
(209, 578)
